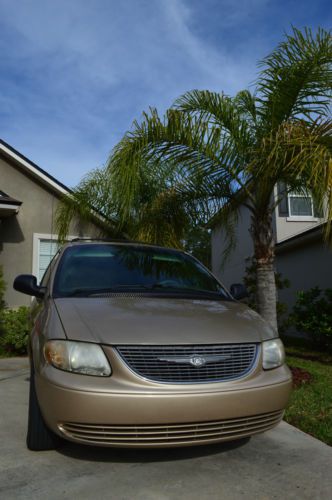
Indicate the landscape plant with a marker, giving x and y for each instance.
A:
(2, 290)
(16, 326)
(312, 314)
(2, 299)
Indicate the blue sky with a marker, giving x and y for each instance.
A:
(74, 74)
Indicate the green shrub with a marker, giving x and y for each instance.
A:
(15, 328)
(2, 300)
(312, 314)
(2, 291)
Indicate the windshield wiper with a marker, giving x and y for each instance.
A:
(117, 288)
(86, 292)
(162, 285)
(183, 288)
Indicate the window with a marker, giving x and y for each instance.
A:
(47, 250)
(46, 276)
(45, 246)
(300, 204)
(90, 269)
(297, 205)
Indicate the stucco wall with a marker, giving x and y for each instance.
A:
(305, 266)
(16, 232)
(286, 227)
(234, 268)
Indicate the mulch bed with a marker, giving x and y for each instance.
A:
(300, 376)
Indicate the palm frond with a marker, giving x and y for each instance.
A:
(89, 202)
(245, 102)
(223, 112)
(296, 78)
(189, 143)
(163, 221)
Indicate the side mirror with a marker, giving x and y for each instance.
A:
(26, 283)
(238, 291)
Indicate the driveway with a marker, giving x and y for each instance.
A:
(282, 463)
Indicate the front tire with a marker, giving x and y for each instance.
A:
(39, 437)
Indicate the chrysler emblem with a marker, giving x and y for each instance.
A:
(197, 361)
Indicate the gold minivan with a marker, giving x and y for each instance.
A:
(136, 345)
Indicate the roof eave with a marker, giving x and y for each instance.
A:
(313, 234)
(33, 169)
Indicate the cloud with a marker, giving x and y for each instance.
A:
(75, 74)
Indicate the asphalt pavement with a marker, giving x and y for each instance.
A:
(283, 463)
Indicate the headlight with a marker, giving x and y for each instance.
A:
(273, 354)
(77, 357)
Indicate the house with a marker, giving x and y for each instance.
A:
(29, 197)
(302, 256)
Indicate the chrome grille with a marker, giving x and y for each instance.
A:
(190, 364)
(170, 434)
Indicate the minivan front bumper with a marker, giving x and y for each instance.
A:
(145, 415)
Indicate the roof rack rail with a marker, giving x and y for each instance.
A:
(87, 238)
(120, 240)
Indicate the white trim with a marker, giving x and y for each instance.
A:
(33, 170)
(6, 206)
(36, 246)
(302, 218)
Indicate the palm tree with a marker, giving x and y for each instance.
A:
(156, 212)
(228, 152)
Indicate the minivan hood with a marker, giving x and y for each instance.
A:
(159, 321)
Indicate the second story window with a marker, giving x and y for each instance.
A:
(297, 205)
(300, 204)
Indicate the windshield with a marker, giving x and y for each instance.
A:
(88, 270)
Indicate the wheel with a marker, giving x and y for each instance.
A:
(39, 437)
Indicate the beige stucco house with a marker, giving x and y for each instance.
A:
(301, 253)
(29, 197)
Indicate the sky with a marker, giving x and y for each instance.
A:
(74, 74)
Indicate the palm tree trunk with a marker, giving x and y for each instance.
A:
(262, 235)
(267, 293)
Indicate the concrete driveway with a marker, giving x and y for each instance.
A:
(281, 464)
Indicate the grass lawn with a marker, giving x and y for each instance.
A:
(310, 406)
